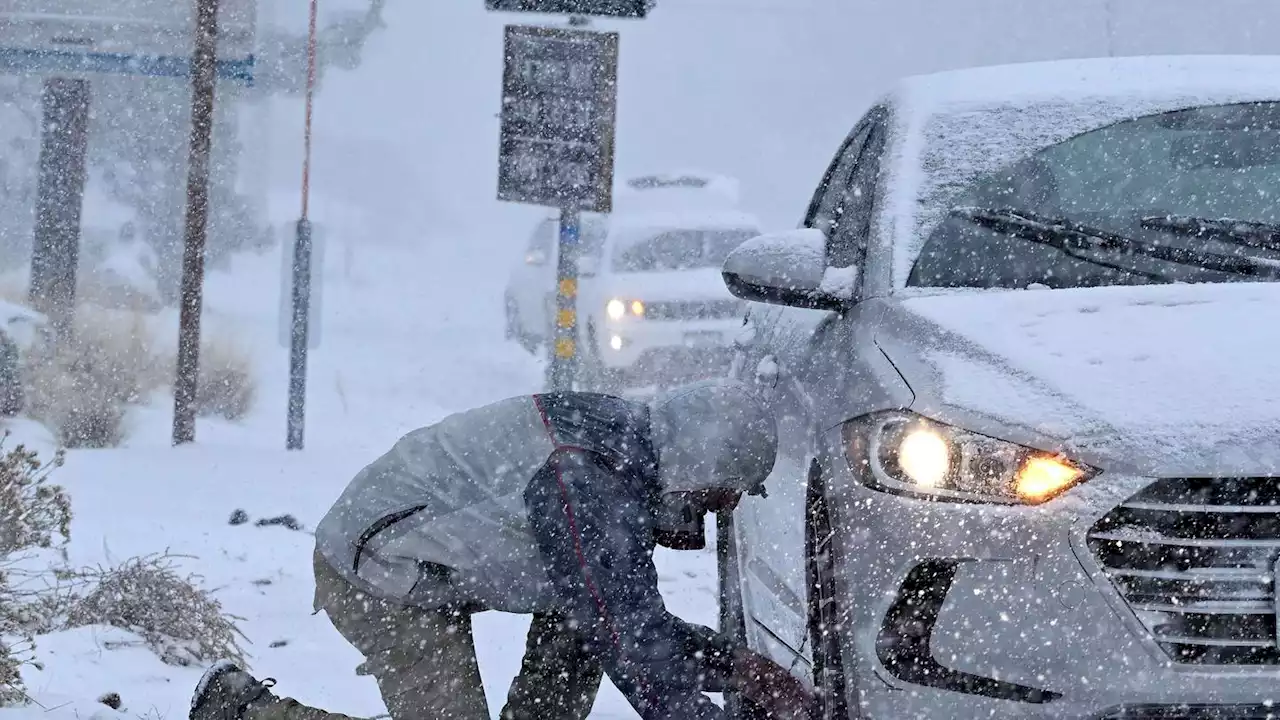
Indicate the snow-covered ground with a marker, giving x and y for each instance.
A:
(411, 333)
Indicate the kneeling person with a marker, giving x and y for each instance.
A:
(552, 505)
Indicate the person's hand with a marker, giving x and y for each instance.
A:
(769, 686)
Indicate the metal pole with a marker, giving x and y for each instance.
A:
(296, 422)
(564, 350)
(298, 337)
(203, 85)
(60, 199)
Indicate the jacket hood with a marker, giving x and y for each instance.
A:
(1164, 380)
(713, 434)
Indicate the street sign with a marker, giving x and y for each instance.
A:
(82, 38)
(609, 8)
(559, 106)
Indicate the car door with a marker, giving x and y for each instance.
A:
(770, 530)
(777, 353)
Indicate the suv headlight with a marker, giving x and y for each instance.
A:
(904, 453)
(618, 308)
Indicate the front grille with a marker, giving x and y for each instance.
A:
(694, 309)
(1196, 560)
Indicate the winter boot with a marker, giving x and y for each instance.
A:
(227, 692)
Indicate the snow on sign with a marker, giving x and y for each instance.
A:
(559, 104)
(82, 38)
(608, 8)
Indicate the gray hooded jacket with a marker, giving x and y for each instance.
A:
(452, 494)
(554, 502)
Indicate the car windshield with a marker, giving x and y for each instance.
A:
(687, 249)
(1199, 185)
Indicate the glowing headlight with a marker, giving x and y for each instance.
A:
(925, 457)
(905, 453)
(618, 308)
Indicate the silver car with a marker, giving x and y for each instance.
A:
(1025, 355)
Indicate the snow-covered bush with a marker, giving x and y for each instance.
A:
(34, 514)
(80, 390)
(173, 614)
(226, 386)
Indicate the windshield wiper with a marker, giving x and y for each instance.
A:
(1246, 233)
(1074, 238)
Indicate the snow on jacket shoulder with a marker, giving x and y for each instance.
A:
(441, 517)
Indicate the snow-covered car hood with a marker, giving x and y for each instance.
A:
(1163, 380)
(701, 284)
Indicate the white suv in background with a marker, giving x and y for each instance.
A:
(654, 308)
(531, 288)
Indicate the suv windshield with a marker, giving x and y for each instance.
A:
(680, 250)
(1197, 183)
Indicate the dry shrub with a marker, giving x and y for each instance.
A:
(105, 289)
(226, 387)
(173, 614)
(12, 691)
(80, 389)
(14, 288)
(34, 514)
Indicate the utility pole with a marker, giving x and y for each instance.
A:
(203, 85)
(302, 270)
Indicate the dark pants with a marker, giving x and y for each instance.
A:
(425, 661)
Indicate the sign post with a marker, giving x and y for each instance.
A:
(559, 108)
(69, 42)
(564, 361)
(203, 81)
(55, 251)
(148, 38)
(316, 238)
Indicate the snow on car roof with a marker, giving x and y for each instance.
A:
(1194, 76)
(688, 191)
(659, 221)
(625, 230)
(952, 127)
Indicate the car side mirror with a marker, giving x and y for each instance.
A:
(790, 269)
(588, 266)
(536, 258)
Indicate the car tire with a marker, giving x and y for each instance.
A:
(733, 624)
(825, 616)
(732, 621)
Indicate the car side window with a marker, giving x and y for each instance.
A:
(843, 211)
(848, 246)
(824, 211)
